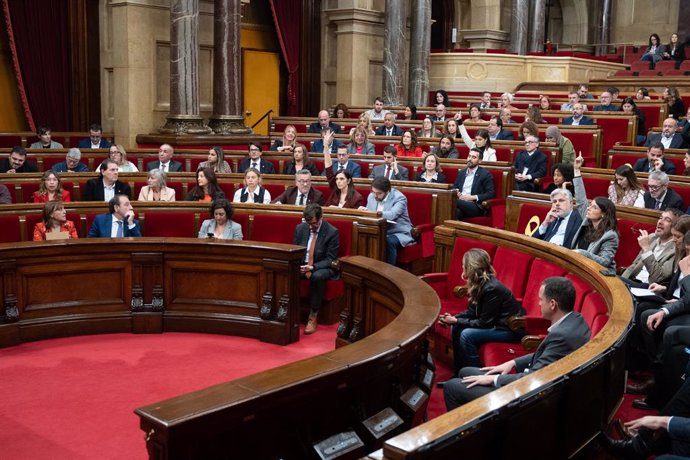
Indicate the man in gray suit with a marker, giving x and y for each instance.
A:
(568, 332)
(390, 168)
(393, 205)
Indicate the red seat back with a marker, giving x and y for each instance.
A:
(541, 269)
(170, 224)
(628, 248)
(595, 312)
(28, 189)
(512, 269)
(345, 230)
(274, 229)
(529, 210)
(582, 288)
(419, 206)
(11, 232)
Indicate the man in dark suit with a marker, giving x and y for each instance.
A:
(389, 127)
(561, 222)
(440, 113)
(104, 188)
(118, 223)
(530, 164)
(655, 161)
(324, 122)
(165, 162)
(606, 104)
(345, 163)
(255, 161)
(16, 162)
(302, 193)
(390, 168)
(474, 184)
(95, 140)
(71, 163)
(568, 332)
(668, 137)
(496, 131)
(328, 139)
(323, 243)
(578, 117)
(659, 195)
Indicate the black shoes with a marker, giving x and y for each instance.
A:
(629, 449)
(642, 405)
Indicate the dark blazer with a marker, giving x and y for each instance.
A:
(265, 167)
(505, 135)
(606, 108)
(352, 167)
(86, 144)
(574, 224)
(535, 164)
(290, 195)
(27, 167)
(494, 306)
(583, 121)
(671, 200)
(642, 165)
(316, 128)
(317, 146)
(103, 224)
(380, 171)
(62, 167)
(290, 169)
(440, 178)
(677, 141)
(381, 130)
(175, 166)
(94, 190)
(482, 186)
(327, 244)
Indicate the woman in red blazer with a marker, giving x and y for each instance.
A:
(54, 221)
(343, 193)
(408, 145)
(51, 189)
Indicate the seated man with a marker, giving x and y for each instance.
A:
(474, 184)
(44, 134)
(446, 147)
(655, 160)
(71, 163)
(506, 116)
(553, 134)
(659, 195)
(578, 117)
(377, 112)
(573, 98)
(583, 91)
(118, 223)
(390, 168)
(605, 103)
(486, 101)
(165, 162)
(496, 131)
(326, 137)
(95, 140)
(668, 137)
(255, 161)
(105, 187)
(302, 193)
(393, 206)
(530, 164)
(440, 113)
(345, 163)
(561, 222)
(389, 127)
(568, 332)
(16, 162)
(324, 122)
(322, 241)
(5, 196)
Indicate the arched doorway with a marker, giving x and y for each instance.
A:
(442, 14)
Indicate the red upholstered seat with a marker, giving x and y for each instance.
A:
(581, 290)
(11, 232)
(273, 228)
(28, 189)
(11, 188)
(31, 221)
(274, 189)
(495, 353)
(513, 268)
(595, 312)
(530, 210)
(170, 224)
(177, 186)
(597, 186)
(628, 248)
(638, 66)
(195, 162)
(243, 220)
(419, 206)
(541, 269)
(228, 188)
(10, 141)
(50, 161)
(497, 211)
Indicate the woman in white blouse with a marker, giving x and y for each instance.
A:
(118, 154)
(481, 140)
(252, 192)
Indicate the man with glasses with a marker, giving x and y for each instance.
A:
(440, 113)
(71, 163)
(658, 195)
(95, 140)
(255, 161)
(655, 161)
(668, 137)
(302, 193)
(606, 104)
(530, 164)
(344, 163)
(496, 131)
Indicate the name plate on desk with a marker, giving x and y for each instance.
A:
(57, 236)
(414, 398)
(383, 423)
(337, 445)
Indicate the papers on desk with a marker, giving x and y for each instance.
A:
(646, 294)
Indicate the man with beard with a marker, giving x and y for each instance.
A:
(446, 147)
(474, 185)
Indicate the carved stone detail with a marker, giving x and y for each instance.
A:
(355, 333)
(157, 303)
(228, 125)
(11, 310)
(283, 304)
(137, 303)
(344, 323)
(266, 306)
(184, 124)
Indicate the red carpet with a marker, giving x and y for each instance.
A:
(74, 398)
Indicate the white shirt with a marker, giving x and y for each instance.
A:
(559, 236)
(114, 226)
(469, 181)
(108, 192)
(312, 235)
(666, 141)
(304, 200)
(96, 146)
(165, 167)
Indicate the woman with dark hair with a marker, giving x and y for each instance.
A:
(428, 128)
(408, 145)
(654, 52)
(491, 304)
(562, 178)
(475, 114)
(343, 193)
(676, 108)
(675, 51)
(481, 141)
(626, 189)
(54, 222)
(528, 128)
(206, 189)
(450, 128)
(442, 98)
(410, 113)
(642, 94)
(544, 102)
(51, 189)
(220, 225)
(534, 114)
(216, 161)
(597, 238)
(341, 111)
(432, 171)
(629, 106)
(300, 161)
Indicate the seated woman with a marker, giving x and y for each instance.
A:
(491, 304)
(626, 189)
(562, 178)
(654, 52)
(252, 192)
(428, 129)
(674, 51)
(341, 111)
(118, 154)
(408, 145)
(597, 238)
(528, 128)
(507, 101)
(51, 189)
(220, 225)
(629, 106)
(676, 108)
(300, 161)
(544, 102)
(534, 114)
(216, 161)
(432, 171)
(450, 128)
(365, 123)
(206, 189)
(287, 143)
(410, 113)
(54, 223)
(359, 143)
(442, 98)
(481, 140)
(642, 94)
(157, 189)
(343, 193)
(475, 114)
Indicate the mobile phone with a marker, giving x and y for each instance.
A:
(210, 235)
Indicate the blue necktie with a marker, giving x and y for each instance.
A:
(120, 229)
(554, 229)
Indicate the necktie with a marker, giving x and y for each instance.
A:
(120, 229)
(388, 172)
(301, 199)
(254, 165)
(554, 229)
(658, 205)
(312, 246)
(340, 167)
(164, 167)
(389, 132)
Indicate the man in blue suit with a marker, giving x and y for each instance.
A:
(561, 222)
(120, 221)
(95, 140)
(389, 127)
(530, 164)
(496, 131)
(344, 162)
(578, 117)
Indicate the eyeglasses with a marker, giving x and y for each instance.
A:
(530, 142)
(654, 188)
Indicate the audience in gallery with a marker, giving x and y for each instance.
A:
(431, 171)
(55, 224)
(71, 163)
(51, 189)
(445, 148)
(216, 161)
(220, 225)
(254, 161)
(17, 163)
(562, 175)
(428, 128)
(364, 122)
(408, 146)
(341, 111)
(118, 154)
(324, 122)
(553, 134)
(343, 193)
(156, 188)
(625, 189)
(359, 143)
(655, 50)
(107, 185)
(206, 188)
(390, 169)
(300, 158)
(345, 163)
(474, 185)
(45, 141)
(95, 139)
(252, 192)
(675, 50)
(302, 193)
(389, 128)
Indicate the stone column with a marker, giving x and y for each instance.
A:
(420, 47)
(604, 27)
(537, 26)
(184, 116)
(394, 53)
(519, 20)
(227, 115)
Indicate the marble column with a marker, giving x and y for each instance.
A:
(227, 115)
(519, 20)
(394, 53)
(420, 47)
(184, 116)
(537, 26)
(604, 27)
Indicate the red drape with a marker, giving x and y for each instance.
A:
(39, 43)
(287, 15)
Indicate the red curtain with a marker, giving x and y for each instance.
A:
(39, 43)
(287, 15)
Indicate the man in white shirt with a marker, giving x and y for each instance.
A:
(165, 162)
(118, 223)
(668, 136)
(573, 98)
(561, 222)
(377, 113)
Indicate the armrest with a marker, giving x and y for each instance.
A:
(460, 291)
(335, 265)
(532, 342)
(438, 282)
(488, 204)
(418, 230)
(534, 325)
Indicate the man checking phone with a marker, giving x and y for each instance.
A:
(118, 223)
